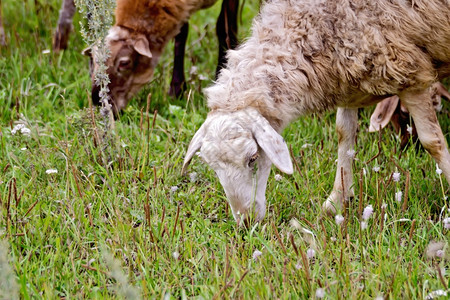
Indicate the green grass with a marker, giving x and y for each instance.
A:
(118, 219)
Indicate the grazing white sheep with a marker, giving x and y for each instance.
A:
(309, 56)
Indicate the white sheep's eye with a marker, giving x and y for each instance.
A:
(252, 159)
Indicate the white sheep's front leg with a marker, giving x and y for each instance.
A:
(420, 106)
(346, 128)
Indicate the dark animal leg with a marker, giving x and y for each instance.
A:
(226, 30)
(178, 83)
(64, 27)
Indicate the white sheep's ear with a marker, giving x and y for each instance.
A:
(273, 145)
(142, 47)
(383, 113)
(194, 145)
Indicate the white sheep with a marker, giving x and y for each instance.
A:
(309, 56)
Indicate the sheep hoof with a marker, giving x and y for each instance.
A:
(335, 202)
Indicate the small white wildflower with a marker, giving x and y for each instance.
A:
(22, 129)
(351, 153)
(176, 255)
(363, 225)
(339, 219)
(398, 196)
(51, 171)
(376, 169)
(446, 223)
(433, 249)
(203, 77)
(333, 239)
(440, 253)
(278, 177)
(298, 266)
(256, 254)
(320, 293)
(25, 131)
(193, 176)
(124, 145)
(384, 205)
(364, 171)
(438, 170)
(174, 189)
(46, 51)
(435, 294)
(310, 253)
(23, 149)
(368, 211)
(409, 129)
(396, 176)
(306, 145)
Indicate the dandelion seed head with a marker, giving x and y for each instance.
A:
(396, 176)
(339, 219)
(51, 171)
(320, 293)
(368, 211)
(363, 225)
(256, 255)
(446, 223)
(351, 153)
(310, 253)
(398, 196)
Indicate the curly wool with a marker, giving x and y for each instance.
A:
(313, 55)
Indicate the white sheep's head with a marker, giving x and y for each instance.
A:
(241, 146)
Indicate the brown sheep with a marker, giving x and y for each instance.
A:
(142, 30)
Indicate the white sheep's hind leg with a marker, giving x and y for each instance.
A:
(429, 131)
(346, 128)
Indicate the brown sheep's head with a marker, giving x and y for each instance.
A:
(130, 65)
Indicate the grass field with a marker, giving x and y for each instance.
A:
(117, 220)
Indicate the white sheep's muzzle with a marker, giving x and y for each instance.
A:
(241, 146)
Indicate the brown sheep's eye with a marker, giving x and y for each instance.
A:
(252, 159)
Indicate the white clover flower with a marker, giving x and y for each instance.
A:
(446, 223)
(368, 211)
(351, 153)
(438, 170)
(396, 176)
(376, 169)
(310, 253)
(256, 255)
(320, 293)
(22, 129)
(176, 255)
(173, 189)
(398, 196)
(51, 171)
(363, 225)
(278, 177)
(339, 219)
(409, 129)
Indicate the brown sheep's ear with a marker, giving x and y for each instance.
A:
(383, 113)
(195, 144)
(87, 51)
(142, 47)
